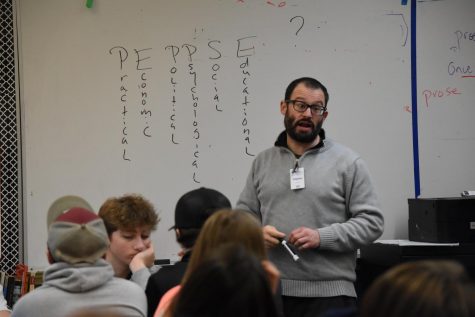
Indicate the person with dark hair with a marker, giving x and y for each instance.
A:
(425, 288)
(191, 212)
(230, 282)
(78, 277)
(130, 220)
(317, 196)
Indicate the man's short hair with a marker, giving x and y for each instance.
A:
(308, 82)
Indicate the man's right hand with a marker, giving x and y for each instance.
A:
(272, 236)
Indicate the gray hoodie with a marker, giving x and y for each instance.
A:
(68, 288)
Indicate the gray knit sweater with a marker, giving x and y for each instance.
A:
(338, 200)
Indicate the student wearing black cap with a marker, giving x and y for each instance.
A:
(191, 212)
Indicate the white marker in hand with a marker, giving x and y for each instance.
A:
(294, 256)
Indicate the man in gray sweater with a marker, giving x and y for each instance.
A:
(314, 195)
(79, 278)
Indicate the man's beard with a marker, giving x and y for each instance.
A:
(291, 129)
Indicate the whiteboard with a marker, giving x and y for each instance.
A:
(446, 96)
(201, 87)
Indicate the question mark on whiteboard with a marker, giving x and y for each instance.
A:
(301, 26)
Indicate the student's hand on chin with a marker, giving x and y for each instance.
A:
(143, 259)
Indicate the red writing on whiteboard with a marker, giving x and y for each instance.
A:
(430, 94)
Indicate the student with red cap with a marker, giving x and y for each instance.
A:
(78, 276)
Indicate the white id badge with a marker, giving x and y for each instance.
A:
(297, 178)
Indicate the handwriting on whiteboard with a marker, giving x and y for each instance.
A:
(458, 66)
(439, 94)
(183, 59)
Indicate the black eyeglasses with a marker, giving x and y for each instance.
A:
(301, 106)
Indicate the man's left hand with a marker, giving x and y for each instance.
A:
(305, 238)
